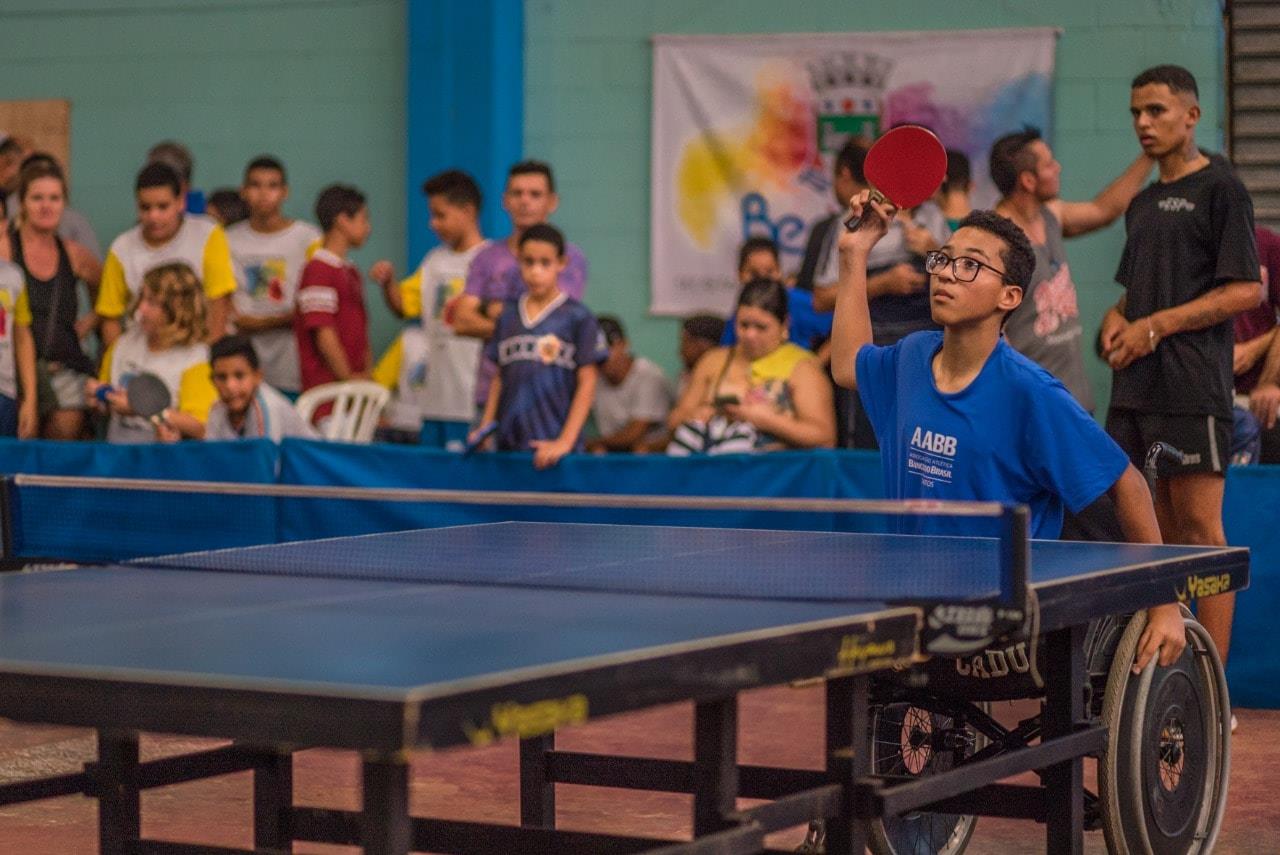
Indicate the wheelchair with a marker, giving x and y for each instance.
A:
(1162, 780)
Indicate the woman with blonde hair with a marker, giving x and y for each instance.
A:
(52, 268)
(166, 339)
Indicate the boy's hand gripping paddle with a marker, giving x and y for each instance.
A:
(904, 167)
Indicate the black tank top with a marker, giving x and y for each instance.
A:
(53, 309)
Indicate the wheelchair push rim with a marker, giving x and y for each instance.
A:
(1163, 778)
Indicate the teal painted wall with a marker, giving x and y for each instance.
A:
(320, 83)
(588, 103)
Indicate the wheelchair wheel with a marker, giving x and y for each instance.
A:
(1163, 779)
(909, 740)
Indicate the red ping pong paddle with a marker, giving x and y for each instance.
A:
(904, 167)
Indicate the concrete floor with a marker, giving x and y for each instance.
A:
(781, 726)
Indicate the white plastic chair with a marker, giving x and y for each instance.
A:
(357, 404)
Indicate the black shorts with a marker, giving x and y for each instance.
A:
(1205, 441)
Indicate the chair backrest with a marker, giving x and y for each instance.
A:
(357, 404)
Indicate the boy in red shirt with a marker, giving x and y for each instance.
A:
(331, 324)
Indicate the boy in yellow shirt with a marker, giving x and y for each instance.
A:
(165, 235)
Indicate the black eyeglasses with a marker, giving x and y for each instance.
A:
(963, 268)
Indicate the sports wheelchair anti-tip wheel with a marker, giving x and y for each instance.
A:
(1163, 778)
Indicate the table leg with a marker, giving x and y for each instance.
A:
(537, 792)
(715, 759)
(273, 800)
(848, 758)
(119, 805)
(387, 828)
(1063, 711)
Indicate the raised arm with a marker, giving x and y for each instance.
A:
(851, 328)
(1080, 218)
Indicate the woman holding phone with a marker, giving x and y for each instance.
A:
(763, 393)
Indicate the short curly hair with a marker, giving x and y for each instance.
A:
(1018, 257)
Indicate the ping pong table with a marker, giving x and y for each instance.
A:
(469, 634)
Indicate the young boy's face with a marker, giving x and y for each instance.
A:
(529, 200)
(159, 213)
(354, 227)
(451, 223)
(956, 303)
(540, 266)
(236, 381)
(760, 264)
(264, 191)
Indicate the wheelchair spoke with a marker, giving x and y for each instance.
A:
(1172, 750)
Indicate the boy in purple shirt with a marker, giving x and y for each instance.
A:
(494, 276)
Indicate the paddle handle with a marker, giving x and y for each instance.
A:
(852, 223)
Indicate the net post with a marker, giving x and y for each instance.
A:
(8, 518)
(1015, 557)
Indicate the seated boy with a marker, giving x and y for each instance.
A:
(632, 403)
(247, 407)
(548, 348)
(1012, 433)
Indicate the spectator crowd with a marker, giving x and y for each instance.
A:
(239, 309)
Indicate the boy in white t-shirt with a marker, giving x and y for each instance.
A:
(247, 407)
(446, 386)
(269, 251)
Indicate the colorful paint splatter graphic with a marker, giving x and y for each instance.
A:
(780, 145)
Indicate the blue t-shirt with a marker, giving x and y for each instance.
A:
(808, 327)
(1014, 435)
(538, 360)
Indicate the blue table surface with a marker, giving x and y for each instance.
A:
(440, 609)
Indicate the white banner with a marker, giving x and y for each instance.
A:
(745, 129)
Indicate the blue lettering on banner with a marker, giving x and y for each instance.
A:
(787, 231)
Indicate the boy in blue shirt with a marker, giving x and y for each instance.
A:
(960, 415)
(548, 349)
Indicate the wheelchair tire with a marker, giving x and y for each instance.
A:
(903, 745)
(1162, 780)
